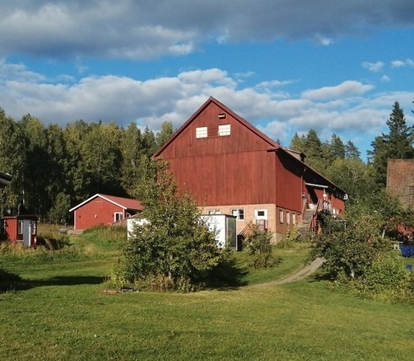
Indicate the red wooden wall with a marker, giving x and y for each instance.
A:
(11, 227)
(97, 211)
(223, 169)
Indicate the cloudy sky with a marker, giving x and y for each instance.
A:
(286, 66)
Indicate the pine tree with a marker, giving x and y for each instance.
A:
(398, 144)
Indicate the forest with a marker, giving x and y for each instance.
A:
(55, 167)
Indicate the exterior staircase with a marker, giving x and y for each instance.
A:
(304, 228)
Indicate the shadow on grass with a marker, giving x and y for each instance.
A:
(13, 282)
(228, 275)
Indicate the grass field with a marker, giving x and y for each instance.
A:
(59, 312)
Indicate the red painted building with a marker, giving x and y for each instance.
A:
(20, 228)
(230, 167)
(102, 209)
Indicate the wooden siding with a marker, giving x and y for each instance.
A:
(289, 183)
(243, 168)
(240, 140)
(236, 178)
(11, 227)
(97, 211)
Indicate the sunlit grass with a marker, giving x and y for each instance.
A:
(60, 312)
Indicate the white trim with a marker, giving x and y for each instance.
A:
(316, 185)
(201, 132)
(100, 196)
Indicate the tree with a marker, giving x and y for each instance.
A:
(353, 176)
(164, 134)
(172, 248)
(398, 144)
(351, 151)
(131, 148)
(12, 161)
(316, 155)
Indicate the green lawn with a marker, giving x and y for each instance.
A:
(59, 312)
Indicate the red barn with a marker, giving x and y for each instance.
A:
(104, 209)
(230, 167)
(20, 228)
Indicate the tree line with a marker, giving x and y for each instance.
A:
(340, 161)
(55, 167)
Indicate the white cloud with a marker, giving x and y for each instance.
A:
(345, 89)
(397, 64)
(344, 109)
(385, 79)
(146, 30)
(374, 67)
(402, 63)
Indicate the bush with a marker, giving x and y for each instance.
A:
(174, 249)
(349, 250)
(259, 247)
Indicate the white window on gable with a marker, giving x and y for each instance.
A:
(239, 213)
(201, 132)
(224, 130)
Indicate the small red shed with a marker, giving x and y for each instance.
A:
(104, 209)
(20, 228)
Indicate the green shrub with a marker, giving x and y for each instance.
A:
(259, 247)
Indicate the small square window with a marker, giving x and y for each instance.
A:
(239, 213)
(201, 132)
(224, 130)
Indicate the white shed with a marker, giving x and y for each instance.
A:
(225, 227)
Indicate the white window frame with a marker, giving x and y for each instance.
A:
(294, 218)
(263, 216)
(224, 130)
(281, 216)
(213, 211)
(287, 217)
(201, 132)
(20, 227)
(121, 214)
(239, 213)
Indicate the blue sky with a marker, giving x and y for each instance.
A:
(286, 66)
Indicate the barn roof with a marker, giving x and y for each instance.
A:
(125, 203)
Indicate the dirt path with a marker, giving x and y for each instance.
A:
(299, 275)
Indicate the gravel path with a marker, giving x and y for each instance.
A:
(299, 275)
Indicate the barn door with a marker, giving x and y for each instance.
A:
(27, 232)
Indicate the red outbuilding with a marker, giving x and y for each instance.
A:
(20, 228)
(103, 209)
(231, 167)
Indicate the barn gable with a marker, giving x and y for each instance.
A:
(217, 130)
